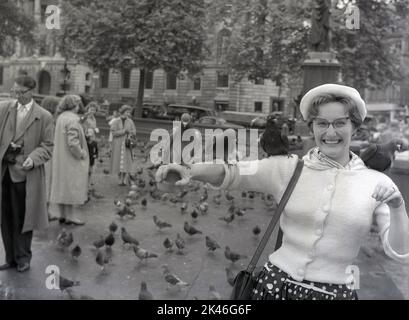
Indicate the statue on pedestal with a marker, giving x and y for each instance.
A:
(320, 30)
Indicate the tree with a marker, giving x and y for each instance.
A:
(144, 34)
(14, 24)
(366, 55)
(270, 40)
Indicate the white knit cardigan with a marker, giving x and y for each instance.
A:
(327, 217)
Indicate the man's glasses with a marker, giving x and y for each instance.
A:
(19, 92)
(324, 124)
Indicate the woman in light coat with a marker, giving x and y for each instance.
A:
(122, 158)
(70, 162)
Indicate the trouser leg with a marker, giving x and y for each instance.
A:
(7, 219)
(21, 241)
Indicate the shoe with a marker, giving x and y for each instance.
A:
(23, 267)
(61, 220)
(75, 222)
(8, 266)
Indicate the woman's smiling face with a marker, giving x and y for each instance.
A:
(334, 140)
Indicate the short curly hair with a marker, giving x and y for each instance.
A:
(352, 109)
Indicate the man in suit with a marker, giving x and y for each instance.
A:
(26, 143)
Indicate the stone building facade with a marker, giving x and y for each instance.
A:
(55, 74)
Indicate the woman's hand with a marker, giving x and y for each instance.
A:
(165, 171)
(388, 194)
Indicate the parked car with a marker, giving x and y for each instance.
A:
(214, 122)
(176, 111)
(155, 111)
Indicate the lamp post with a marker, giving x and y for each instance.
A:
(66, 73)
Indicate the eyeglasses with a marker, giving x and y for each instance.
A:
(19, 92)
(324, 124)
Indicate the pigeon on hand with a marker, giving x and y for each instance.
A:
(161, 223)
(65, 283)
(113, 227)
(109, 240)
(244, 194)
(144, 293)
(256, 230)
(180, 243)
(190, 230)
(76, 252)
(144, 203)
(273, 140)
(251, 194)
(102, 259)
(213, 294)
(211, 244)
(230, 276)
(99, 243)
(233, 256)
(143, 254)
(127, 238)
(228, 218)
(168, 244)
(172, 279)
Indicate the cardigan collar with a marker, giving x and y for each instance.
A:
(315, 159)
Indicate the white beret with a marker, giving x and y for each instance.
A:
(336, 89)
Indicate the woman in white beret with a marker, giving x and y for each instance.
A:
(331, 209)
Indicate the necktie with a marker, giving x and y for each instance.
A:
(21, 114)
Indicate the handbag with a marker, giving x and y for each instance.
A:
(246, 280)
(130, 142)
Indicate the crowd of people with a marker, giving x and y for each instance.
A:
(48, 154)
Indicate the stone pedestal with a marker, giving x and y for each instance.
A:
(320, 68)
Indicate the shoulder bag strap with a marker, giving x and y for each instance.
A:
(276, 217)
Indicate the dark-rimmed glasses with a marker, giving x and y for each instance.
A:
(324, 124)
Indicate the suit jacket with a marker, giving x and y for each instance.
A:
(37, 135)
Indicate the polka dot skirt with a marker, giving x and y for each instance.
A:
(275, 284)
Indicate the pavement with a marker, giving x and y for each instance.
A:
(380, 277)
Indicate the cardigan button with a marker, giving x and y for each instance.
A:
(326, 208)
(318, 232)
(330, 187)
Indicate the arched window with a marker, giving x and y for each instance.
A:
(87, 76)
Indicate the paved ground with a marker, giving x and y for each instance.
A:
(381, 278)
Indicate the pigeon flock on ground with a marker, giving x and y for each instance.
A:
(143, 190)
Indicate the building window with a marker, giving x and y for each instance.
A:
(259, 81)
(149, 80)
(197, 83)
(104, 78)
(222, 80)
(171, 80)
(87, 89)
(87, 76)
(126, 78)
(258, 106)
(1, 75)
